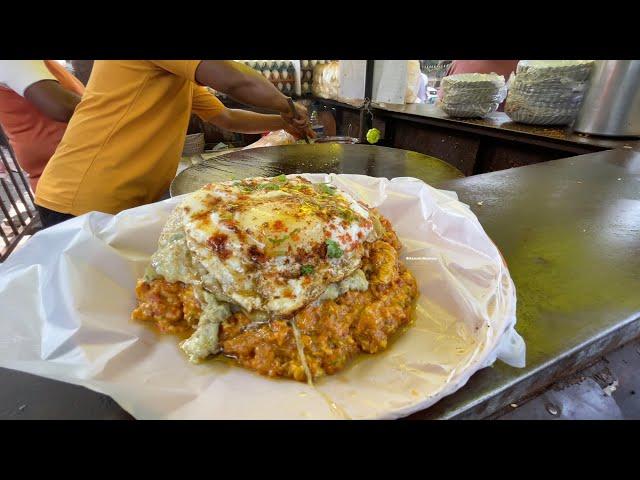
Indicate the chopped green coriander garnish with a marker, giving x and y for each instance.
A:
(306, 270)
(347, 215)
(278, 241)
(333, 249)
(326, 188)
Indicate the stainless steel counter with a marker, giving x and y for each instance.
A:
(499, 124)
(570, 233)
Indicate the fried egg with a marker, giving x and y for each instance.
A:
(274, 244)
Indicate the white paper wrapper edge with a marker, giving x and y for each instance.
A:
(88, 264)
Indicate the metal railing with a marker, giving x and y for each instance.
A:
(18, 214)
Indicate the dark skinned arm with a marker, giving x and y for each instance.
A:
(247, 86)
(243, 121)
(52, 100)
(242, 83)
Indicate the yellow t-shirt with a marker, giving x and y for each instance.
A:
(122, 146)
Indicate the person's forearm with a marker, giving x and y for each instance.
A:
(242, 83)
(52, 100)
(243, 121)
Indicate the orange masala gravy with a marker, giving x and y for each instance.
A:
(332, 332)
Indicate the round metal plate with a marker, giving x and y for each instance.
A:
(315, 158)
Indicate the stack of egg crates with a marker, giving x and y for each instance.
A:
(472, 95)
(547, 92)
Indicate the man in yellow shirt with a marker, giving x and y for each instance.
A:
(122, 146)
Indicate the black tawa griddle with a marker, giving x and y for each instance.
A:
(314, 158)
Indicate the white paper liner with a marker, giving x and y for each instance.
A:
(67, 295)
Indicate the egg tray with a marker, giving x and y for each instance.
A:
(472, 94)
(468, 110)
(535, 93)
(523, 112)
(284, 82)
(522, 116)
(546, 99)
(310, 70)
(472, 97)
(537, 71)
(308, 80)
(472, 81)
(303, 75)
(543, 109)
(560, 101)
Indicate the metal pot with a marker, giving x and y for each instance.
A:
(611, 106)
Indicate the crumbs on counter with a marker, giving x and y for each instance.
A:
(560, 133)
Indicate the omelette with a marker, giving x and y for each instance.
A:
(286, 277)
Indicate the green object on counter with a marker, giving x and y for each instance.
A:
(373, 135)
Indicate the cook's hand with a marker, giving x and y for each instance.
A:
(299, 133)
(299, 121)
